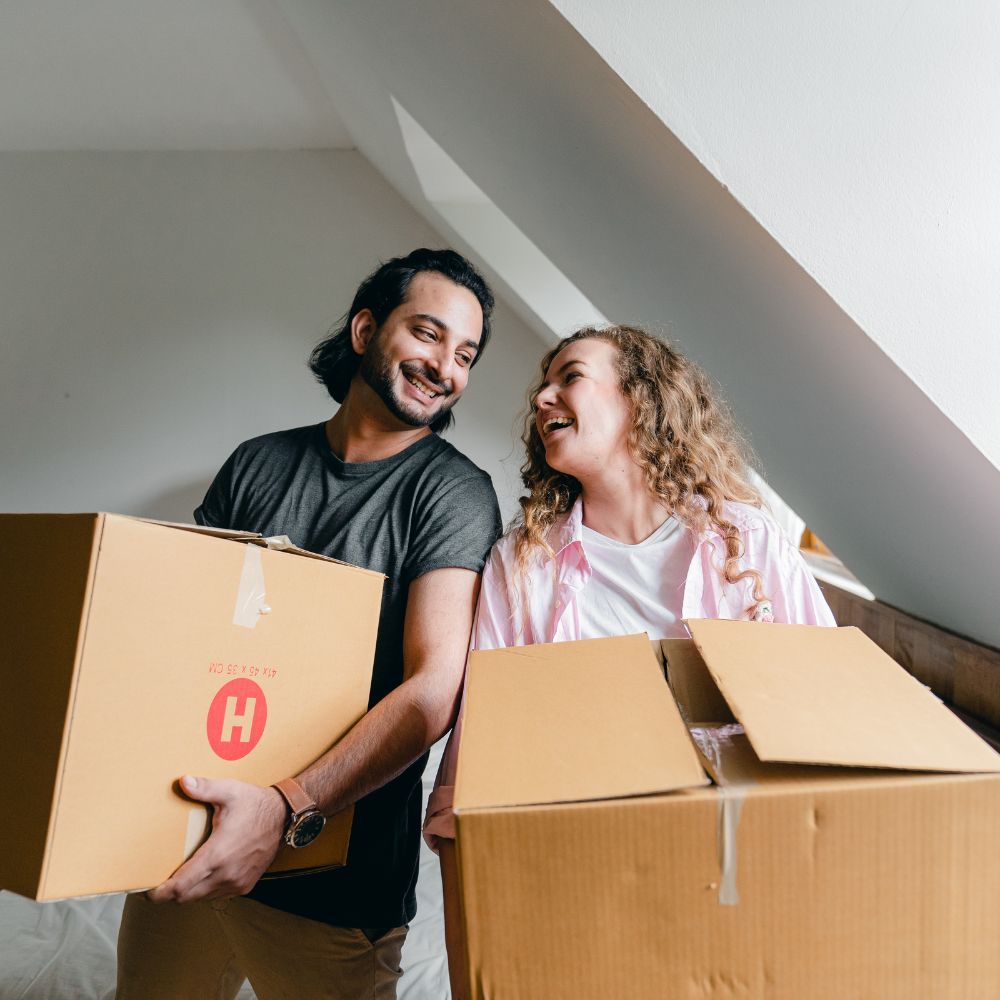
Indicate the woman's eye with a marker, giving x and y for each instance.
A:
(569, 377)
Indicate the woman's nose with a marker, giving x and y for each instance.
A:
(546, 397)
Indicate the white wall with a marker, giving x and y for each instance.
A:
(158, 309)
(541, 123)
(863, 136)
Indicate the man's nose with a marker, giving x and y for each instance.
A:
(441, 366)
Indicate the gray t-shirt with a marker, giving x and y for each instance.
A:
(426, 508)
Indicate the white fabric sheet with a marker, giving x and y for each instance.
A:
(58, 951)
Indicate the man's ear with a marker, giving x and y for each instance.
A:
(363, 328)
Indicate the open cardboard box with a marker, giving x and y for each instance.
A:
(134, 652)
(845, 848)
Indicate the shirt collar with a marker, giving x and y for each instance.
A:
(567, 529)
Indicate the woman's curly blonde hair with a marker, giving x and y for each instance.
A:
(683, 438)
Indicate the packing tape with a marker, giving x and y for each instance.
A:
(731, 799)
(199, 825)
(732, 795)
(250, 597)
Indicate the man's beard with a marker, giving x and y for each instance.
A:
(377, 370)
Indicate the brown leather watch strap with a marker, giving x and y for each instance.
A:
(293, 793)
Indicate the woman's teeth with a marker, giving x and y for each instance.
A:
(555, 423)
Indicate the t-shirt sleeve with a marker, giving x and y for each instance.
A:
(216, 510)
(455, 528)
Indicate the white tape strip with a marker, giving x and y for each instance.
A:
(732, 795)
(731, 798)
(250, 603)
(198, 826)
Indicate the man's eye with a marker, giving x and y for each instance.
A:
(465, 360)
(426, 334)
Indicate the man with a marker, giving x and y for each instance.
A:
(374, 486)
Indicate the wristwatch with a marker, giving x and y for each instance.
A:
(306, 821)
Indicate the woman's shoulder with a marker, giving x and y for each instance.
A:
(558, 534)
(505, 546)
(745, 516)
(765, 541)
(748, 517)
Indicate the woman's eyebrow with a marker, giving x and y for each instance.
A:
(562, 368)
(568, 364)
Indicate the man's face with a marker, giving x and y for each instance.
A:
(418, 361)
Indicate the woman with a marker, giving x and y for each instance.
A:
(639, 514)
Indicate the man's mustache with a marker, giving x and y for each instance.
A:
(409, 368)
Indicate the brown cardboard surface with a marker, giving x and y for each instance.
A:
(570, 721)
(882, 892)
(786, 881)
(831, 696)
(157, 644)
(697, 694)
(38, 654)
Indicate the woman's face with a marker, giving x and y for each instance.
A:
(580, 413)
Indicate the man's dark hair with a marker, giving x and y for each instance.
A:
(333, 360)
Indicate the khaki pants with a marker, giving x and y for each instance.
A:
(204, 951)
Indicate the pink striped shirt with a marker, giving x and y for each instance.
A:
(507, 616)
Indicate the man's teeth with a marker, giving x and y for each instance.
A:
(420, 387)
(554, 423)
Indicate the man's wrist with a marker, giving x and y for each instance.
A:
(304, 822)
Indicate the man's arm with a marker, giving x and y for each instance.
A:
(248, 820)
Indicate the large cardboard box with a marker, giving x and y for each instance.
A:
(844, 847)
(134, 652)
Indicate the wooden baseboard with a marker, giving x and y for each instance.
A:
(963, 673)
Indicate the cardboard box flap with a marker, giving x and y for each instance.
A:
(279, 543)
(200, 529)
(698, 696)
(282, 543)
(815, 695)
(570, 721)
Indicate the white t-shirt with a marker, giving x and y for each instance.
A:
(636, 588)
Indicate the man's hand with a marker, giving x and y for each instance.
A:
(247, 823)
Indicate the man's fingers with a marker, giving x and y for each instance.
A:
(179, 886)
(246, 827)
(216, 791)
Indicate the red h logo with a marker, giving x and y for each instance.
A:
(236, 718)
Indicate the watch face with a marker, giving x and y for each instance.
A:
(308, 828)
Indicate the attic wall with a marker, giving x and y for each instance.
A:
(159, 308)
(863, 138)
(589, 173)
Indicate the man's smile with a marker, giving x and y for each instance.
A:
(424, 386)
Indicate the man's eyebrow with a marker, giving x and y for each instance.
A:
(433, 320)
(443, 326)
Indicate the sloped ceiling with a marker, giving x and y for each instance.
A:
(606, 192)
(537, 130)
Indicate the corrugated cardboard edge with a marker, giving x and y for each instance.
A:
(685, 770)
(961, 749)
(254, 537)
(81, 642)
